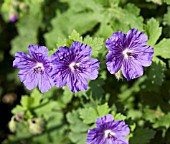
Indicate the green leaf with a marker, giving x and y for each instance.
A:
(36, 97)
(27, 28)
(88, 115)
(103, 109)
(156, 74)
(65, 23)
(153, 31)
(142, 136)
(119, 116)
(78, 128)
(124, 19)
(77, 138)
(75, 36)
(26, 102)
(166, 17)
(18, 109)
(163, 121)
(167, 2)
(96, 44)
(162, 48)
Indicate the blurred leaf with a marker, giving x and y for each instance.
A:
(167, 2)
(119, 116)
(27, 28)
(159, 2)
(156, 74)
(75, 36)
(65, 23)
(26, 102)
(166, 17)
(153, 31)
(96, 44)
(88, 115)
(142, 136)
(78, 128)
(103, 110)
(162, 121)
(162, 48)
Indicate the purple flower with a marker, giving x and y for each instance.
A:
(34, 69)
(129, 53)
(73, 66)
(108, 131)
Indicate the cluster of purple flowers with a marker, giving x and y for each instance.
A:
(73, 66)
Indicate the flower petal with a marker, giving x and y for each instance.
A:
(122, 140)
(35, 49)
(131, 69)
(29, 78)
(60, 76)
(76, 82)
(116, 41)
(102, 120)
(45, 82)
(120, 128)
(95, 136)
(62, 56)
(23, 61)
(114, 62)
(80, 51)
(135, 38)
(89, 68)
(144, 55)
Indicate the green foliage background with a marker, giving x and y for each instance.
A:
(144, 103)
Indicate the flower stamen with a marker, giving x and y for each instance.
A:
(39, 67)
(127, 53)
(73, 65)
(109, 133)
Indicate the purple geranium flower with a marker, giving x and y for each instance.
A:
(73, 66)
(129, 53)
(108, 131)
(34, 69)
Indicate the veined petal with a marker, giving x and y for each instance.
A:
(76, 82)
(122, 140)
(80, 50)
(114, 62)
(144, 55)
(60, 76)
(62, 56)
(37, 49)
(23, 61)
(131, 69)
(120, 128)
(89, 68)
(45, 82)
(116, 41)
(135, 38)
(95, 136)
(29, 78)
(100, 121)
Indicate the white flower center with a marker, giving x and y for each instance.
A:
(108, 133)
(38, 68)
(39, 65)
(73, 65)
(127, 53)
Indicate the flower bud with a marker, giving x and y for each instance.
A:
(36, 125)
(12, 124)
